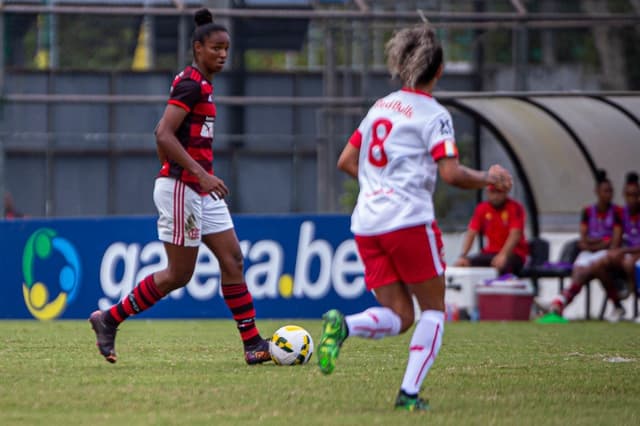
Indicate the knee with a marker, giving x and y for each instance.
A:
(580, 273)
(172, 278)
(407, 319)
(232, 263)
(180, 277)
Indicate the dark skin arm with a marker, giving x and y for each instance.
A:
(595, 244)
(501, 258)
(469, 237)
(168, 146)
(348, 161)
(454, 173)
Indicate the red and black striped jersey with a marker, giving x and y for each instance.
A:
(191, 91)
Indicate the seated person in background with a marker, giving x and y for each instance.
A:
(600, 230)
(619, 264)
(501, 220)
(10, 211)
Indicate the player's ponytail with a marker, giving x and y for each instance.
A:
(414, 55)
(601, 176)
(202, 17)
(204, 26)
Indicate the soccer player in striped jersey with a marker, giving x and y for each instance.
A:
(600, 231)
(402, 144)
(190, 201)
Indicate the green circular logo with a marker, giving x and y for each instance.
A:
(41, 302)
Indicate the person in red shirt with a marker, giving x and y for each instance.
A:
(501, 220)
(10, 211)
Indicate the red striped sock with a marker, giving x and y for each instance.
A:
(141, 298)
(571, 292)
(240, 303)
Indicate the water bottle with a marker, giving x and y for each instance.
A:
(452, 312)
(475, 314)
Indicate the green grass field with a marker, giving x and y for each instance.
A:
(193, 373)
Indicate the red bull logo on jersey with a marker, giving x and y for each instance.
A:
(396, 106)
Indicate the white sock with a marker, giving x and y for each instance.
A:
(374, 323)
(423, 349)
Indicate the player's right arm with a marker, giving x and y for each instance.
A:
(584, 242)
(348, 161)
(587, 242)
(469, 237)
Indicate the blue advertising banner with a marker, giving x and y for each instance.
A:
(296, 266)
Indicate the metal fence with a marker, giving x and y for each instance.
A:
(77, 143)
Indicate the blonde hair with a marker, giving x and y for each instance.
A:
(414, 55)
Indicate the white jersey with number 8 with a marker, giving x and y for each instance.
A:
(401, 138)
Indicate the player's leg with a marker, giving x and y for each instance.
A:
(581, 274)
(396, 313)
(181, 238)
(629, 267)
(609, 271)
(427, 285)
(394, 316)
(481, 259)
(513, 265)
(221, 239)
(425, 342)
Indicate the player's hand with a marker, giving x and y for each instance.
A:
(213, 185)
(462, 261)
(500, 178)
(499, 261)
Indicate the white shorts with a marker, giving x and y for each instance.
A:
(588, 258)
(185, 216)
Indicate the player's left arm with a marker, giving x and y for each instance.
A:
(454, 173)
(616, 237)
(440, 141)
(516, 229)
(512, 241)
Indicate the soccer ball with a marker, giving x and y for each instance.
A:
(291, 345)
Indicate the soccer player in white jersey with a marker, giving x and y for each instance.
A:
(403, 143)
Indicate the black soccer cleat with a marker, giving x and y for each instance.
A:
(258, 353)
(106, 336)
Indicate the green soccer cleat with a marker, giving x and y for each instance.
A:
(334, 332)
(408, 403)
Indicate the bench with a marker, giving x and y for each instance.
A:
(539, 266)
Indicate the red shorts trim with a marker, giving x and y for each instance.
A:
(409, 255)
